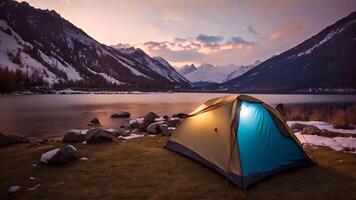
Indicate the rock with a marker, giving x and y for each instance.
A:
(32, 178)
(174, 122)
(34, 188)
(94, 122)
(73, 136)
(98, 135)
(121, 115)
(59, 156)
(180, 115)
(4, 140)
(165, 130)
(14, 188)
(297, 127)
(281, 109)
(125, 134)
(154, 128)
(147, 120)
(134, 125)
(311, 130)
(343, 125)
(165, 117)
(83, 158)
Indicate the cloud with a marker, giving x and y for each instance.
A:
(252, 30)
(194, 49)
(212, 39)
(288, 30)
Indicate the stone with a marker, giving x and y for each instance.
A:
(180, 115)
(61, 155)
(165, 130)
(98, 135)
(281, 109)
(311, 130)
(154, 128)
(94, 122)
(343, 125)
(122, 114)
(14, 188)
(73, 136)
(297, 127)
(4, 140)
(147, 120)
(174, 122)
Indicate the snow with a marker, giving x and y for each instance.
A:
(186, 69)
(109, 78)
(138, 120)
(48, 155)
(328, 37)
(322, 125)
(132, 136)
(336, 143)
(72, 73)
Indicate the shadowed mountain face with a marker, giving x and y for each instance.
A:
(324, 63)
(40, 41)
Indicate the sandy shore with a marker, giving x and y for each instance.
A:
(141, 169)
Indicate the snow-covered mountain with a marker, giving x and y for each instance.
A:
(156, 64)
(324, 63)
(41, 41)
(213, 74)
(186, 69)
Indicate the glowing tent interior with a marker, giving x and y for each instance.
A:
(239, 137)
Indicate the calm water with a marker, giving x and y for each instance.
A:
(52, 115)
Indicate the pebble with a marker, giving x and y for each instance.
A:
(34, 165)
(32, 178)
(83, 158)
(14, 188)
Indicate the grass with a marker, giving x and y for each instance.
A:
(332, 113)
(142, 169)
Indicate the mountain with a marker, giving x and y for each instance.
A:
(212, 74)
(324, 63)
(156, 64)
(186, 69)
(41, 42)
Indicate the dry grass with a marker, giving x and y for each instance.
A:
(142, 169)
(332, 113)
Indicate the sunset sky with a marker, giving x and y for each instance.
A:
(202, 31)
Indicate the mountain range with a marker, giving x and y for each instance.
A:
(324, 63)
(209, 73)
(41, 41)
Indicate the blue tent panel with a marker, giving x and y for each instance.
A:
(263, 148)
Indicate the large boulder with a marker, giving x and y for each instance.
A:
(73, 136)
(311, 130)
(297, 127)
(4, 140)
(59, 156)
(98, 135)
(94, 122)
(147, 120)
(343, 125)
(180, 115)
(121, 114)
(154, 128)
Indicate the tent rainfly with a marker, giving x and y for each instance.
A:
(239, 137)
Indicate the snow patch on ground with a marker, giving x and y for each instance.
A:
(337, 143)
(322, 125)
(132, 136)
(110, 79)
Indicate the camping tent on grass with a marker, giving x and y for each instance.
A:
(240, 137)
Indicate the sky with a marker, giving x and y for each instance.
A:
(219, 32)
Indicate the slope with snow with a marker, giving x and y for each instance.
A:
(42, 41)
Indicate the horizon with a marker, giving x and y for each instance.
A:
(198, 32)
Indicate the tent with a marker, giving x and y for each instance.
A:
(239, 137)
